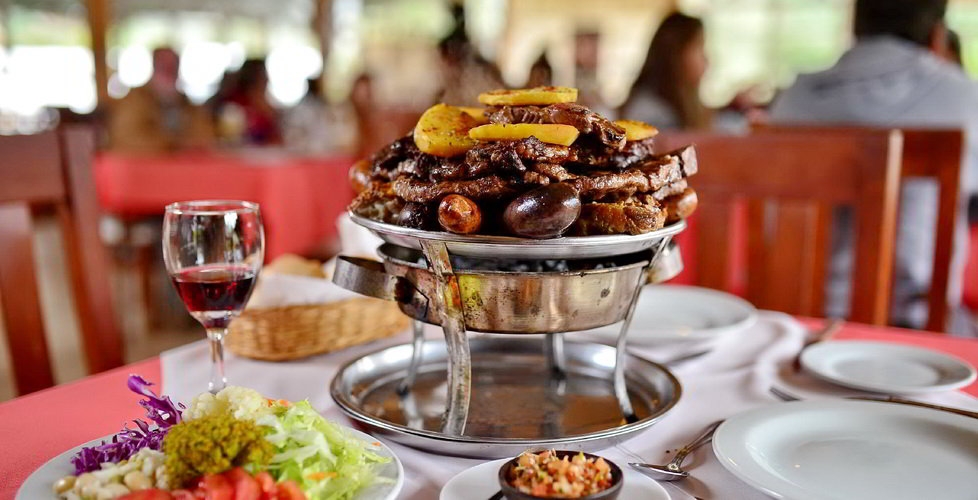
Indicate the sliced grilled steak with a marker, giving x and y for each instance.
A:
(648, 177)
(378, 203)
(680, 206)
(485, 188)
(637, 215)
(603, 157)
(575, 115)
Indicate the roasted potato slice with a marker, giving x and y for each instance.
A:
(636, 130)
(563, 135)
(444, 131)
(478, 113)
(538, 96)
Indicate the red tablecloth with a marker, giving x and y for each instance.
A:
(39, 426)
(300, 198)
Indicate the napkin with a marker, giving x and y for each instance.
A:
(292, 280)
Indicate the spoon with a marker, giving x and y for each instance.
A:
(673, 470)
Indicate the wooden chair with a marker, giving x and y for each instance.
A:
(791, 181)
(933, 154)
(39, 172)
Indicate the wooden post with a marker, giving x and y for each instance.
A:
(322, 28)
(99, 15)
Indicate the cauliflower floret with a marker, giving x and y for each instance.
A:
(240, 402)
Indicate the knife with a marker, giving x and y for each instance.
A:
(910, 402)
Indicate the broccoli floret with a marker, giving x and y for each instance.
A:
(213, 444)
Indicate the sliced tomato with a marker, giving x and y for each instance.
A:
(245, 486)
(183, 495)
(151, 494)
(216, 487)
(288, 490)
(267, 483)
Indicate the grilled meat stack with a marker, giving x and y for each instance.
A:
(540, 169)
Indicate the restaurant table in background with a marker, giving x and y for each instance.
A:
(300, 197)
(39, 426)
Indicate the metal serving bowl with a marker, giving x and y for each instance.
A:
(517, 301)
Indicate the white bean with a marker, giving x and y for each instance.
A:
(110, 491)
(85, 479)
(136, 480)
(64, 484)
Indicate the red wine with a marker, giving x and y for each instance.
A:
(213, 294)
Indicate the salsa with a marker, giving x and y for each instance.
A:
(544, 474)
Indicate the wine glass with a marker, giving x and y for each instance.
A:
(213, 251)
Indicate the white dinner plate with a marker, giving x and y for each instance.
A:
(38, 485)
(683, 313)
(482, 481)
(847, 450)
(887, 368)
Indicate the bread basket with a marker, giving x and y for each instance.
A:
(288, 332)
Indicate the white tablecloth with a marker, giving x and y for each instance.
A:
(735, 376)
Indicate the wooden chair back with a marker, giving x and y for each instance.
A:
(38, 172)
(791, 182)
(935, 154)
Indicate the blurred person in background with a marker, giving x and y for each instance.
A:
(245, 115)
(894, 76)
(541, 73)
(465, 72)
(314, 127)
(666, 92)
(586, 61)
(157, 117)
(953, 52)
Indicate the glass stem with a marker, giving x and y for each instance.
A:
(218, 379)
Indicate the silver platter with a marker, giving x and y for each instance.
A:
(517, 401)
(486, 246)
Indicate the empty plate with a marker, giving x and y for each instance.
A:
(886, 368)
(846, 450)
(675, 312)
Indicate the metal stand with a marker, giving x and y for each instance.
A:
(621, 387)
(457, 344)
(451, 314)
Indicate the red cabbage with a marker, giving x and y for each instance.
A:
(159, 409)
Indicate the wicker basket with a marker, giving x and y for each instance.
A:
(293, 332)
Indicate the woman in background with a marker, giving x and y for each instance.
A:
(666, 92)
(244, 113)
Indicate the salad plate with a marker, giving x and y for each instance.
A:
(482, 481)
(822, 450)
(683, 313)
(390, 475)
(886, 368)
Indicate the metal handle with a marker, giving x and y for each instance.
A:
(368, 277)
(667, 266)
(702, 439)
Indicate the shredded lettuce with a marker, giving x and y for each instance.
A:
(325, 460)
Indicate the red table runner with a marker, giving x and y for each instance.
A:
(300, 198)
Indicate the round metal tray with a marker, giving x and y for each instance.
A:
(517, 401)
(486, 246)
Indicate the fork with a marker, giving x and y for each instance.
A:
(828, 329)
(784, 396)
